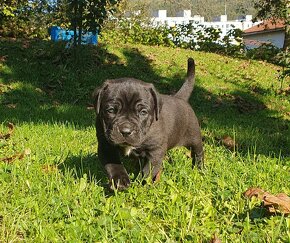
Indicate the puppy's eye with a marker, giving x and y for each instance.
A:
(111, 110)
(143, 112)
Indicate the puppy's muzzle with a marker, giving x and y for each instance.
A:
(126, 129)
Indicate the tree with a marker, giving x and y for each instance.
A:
(275, 10)
(26, 18)
(32, 18)
(8, 12)
(88, 15)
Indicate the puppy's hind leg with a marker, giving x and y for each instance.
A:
(197, 153)
(193, 141)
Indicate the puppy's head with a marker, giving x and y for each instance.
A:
(126, 107)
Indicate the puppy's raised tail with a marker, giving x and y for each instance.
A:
(186, 89)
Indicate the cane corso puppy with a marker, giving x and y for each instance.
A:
(134, 119)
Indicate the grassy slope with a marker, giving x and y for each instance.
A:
(57, 192)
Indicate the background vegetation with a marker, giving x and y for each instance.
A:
(33, 19)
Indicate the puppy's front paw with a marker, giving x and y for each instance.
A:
(119, 182)
(118, 176)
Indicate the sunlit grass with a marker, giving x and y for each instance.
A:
(57, 192)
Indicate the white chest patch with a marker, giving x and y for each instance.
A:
(128, 150)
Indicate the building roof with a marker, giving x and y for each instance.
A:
(266, 26)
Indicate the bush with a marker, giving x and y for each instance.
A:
(272, 54)
(266, 52)
(183, 36)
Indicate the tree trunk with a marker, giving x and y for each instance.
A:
(287, 29)
(286, 40)
(74, 22)
(80, 22)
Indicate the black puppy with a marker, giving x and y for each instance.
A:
(134, 119)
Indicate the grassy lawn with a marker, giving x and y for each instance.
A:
(54, 190)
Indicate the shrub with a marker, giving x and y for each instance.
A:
(272, 54)
(265, 52)
(185, 36)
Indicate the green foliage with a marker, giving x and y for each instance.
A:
(284, 62)
(236, 48)
(27, 18)
(275, 10)
(272, 54)
(271, 9)
(87, 15)
(6, 11)
(266, 52)
(184, 36)
(139, 32)
(33, 18)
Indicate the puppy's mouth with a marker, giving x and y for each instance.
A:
(124, 142)
(117, 138)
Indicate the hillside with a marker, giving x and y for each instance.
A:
(53, 187)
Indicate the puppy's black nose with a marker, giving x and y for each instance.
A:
(126, 131)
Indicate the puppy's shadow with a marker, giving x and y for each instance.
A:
(91, 167)
(82, 165)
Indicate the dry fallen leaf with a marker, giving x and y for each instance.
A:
(25, 44)
(10, 131)
(279, 203)
(207, 97)
(285, 91)
(12, 158)
(188, 154)
(228, 142)
(27, 152)
(11, 106)
(90, 107)
(39, 90)
(10, 126)
(218, 102)
(56, 103)
(243, 65)
(3, 58)
(49, 168)
(16, 156)
(215, 239)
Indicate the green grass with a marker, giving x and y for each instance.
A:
(57, 192)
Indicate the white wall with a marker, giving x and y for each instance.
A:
(160, 18)
(276, 38)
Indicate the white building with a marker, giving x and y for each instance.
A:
(184, 17)
(267, 32)
(225, 25)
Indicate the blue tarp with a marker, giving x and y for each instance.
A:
(58, 34)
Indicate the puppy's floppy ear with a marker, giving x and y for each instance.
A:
(97, 97)
(157, 102)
